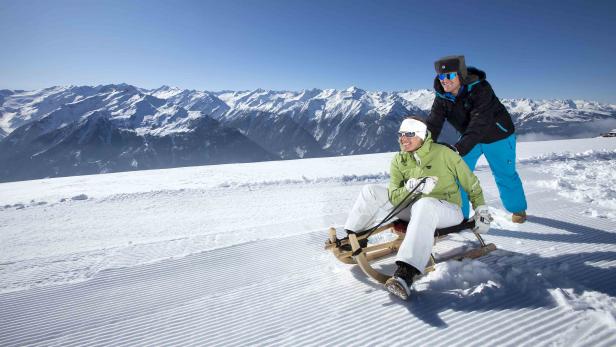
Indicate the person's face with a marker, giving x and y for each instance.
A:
(410, 143)
(450, 85)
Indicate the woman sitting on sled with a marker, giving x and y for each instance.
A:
(437, 173)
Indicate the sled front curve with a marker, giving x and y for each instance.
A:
(363, 263)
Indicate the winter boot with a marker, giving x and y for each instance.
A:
(400, 284)
(519, 217)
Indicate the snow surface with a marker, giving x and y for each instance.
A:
(233, 255)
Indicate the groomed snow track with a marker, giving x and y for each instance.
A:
(289, 291)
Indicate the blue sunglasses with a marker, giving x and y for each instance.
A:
(449, 75)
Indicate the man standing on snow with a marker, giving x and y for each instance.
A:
(435, 171)
(467, 101)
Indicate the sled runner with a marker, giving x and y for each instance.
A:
(353, 249)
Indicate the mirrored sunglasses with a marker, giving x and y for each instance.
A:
(449, 75)
(406, 133)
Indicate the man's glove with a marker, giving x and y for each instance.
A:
(425, 185)
(482, 219)
(452, 147)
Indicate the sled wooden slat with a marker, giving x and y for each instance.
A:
(331, 242)
(388, 248)
(375, 249)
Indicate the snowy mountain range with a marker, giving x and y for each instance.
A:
(68, 130)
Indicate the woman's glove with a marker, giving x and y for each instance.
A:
(424, 185)
(482, 219)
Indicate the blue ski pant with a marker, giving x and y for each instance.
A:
(501, 158)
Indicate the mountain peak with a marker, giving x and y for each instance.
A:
(122, 87)
(165, 87)
(354, 89)
(356, 93)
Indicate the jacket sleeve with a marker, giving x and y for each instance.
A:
(468, 180)
(481, 118)
(396, 189)
(436, 119)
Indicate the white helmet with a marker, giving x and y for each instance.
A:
(415, 126)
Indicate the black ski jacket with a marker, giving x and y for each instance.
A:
(475, 112)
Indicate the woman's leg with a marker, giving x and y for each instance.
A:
(427, 214)
(372, 200)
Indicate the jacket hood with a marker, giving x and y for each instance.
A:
(473, 75)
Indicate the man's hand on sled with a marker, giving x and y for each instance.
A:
(423, 185)
(482, 219)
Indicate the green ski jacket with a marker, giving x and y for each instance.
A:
(433, 159)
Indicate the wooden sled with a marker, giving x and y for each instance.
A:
(349, 251)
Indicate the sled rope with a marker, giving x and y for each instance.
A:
(397, 209)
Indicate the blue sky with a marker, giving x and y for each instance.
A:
(533, 49)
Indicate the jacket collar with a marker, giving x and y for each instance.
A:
(450, 96)
(421, 153)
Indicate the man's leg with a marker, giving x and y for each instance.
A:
(501, 157)
(371, 200)
(470, 159)
(427, 214)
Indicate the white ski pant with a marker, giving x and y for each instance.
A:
(426, 215)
